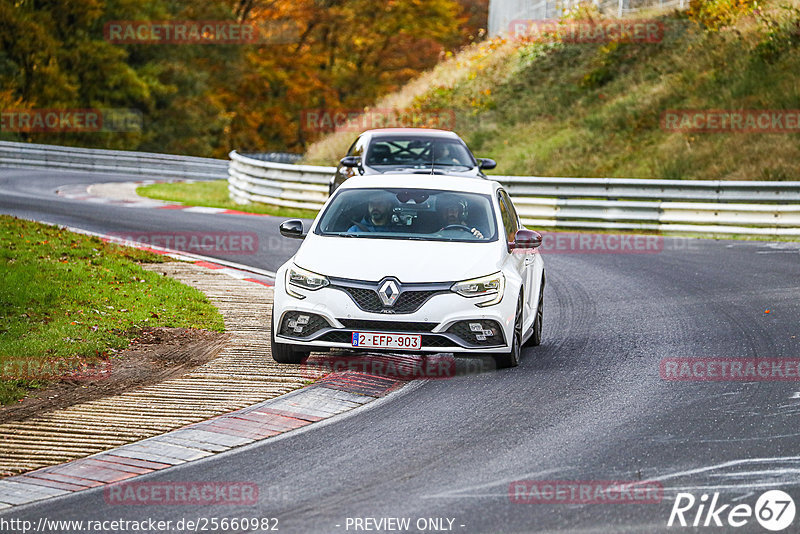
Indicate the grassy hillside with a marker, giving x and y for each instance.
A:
(571, 109)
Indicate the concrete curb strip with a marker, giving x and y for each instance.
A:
(243, 373)
(206, 411)
(193, 442)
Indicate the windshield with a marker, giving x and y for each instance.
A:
(422, 214)
(417, 152)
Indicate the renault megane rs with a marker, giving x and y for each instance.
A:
(406, 263)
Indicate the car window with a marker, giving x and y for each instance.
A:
(509, 216)
(419, 152)
(357, 148)
(422, 214)
(512, 209)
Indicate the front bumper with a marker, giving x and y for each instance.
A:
(447, 322)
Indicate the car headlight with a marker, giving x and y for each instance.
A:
(494, 284)
(296, 276)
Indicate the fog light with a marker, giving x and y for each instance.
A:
(302, 319)
(488, 333)
(476, 327)
(480, 337)
(298, 329)
(292, 323)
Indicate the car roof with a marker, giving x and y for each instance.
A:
(422, 181)
(422, 132)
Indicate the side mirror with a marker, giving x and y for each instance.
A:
(486, 163)
(293, 228)
(526, 239)
(350, 161)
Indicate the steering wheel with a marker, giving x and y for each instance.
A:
(457, 227)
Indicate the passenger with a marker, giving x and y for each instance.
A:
(379, 215)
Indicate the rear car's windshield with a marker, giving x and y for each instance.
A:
(417, 152)
(423, 214)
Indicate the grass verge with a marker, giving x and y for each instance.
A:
(68, 302)
(214, 194)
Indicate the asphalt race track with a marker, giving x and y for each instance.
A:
(588, 404)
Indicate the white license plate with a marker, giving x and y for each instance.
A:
(382, 340)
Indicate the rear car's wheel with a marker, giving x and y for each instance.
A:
(511, 359)
(283, 352)
(536, 337)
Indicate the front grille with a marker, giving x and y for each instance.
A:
(407, 302)
(434, 340)
(337, 336)
(366, 299)
(387, 326)
(478, 337)
(301, 324)
(411, 301)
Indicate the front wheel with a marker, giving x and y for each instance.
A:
(536, 337)
(511, 359)
(283, 352)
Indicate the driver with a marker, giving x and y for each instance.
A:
(454, 213)
(443, 155)
(379, 214)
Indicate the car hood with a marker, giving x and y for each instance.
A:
(372, 259)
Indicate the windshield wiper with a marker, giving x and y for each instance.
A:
(453, 165)
(341, 234)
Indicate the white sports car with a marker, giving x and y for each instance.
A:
(395, 263)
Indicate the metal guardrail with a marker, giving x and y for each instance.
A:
(278, 184)
(28, 155)
(276, 157)
(669, 206)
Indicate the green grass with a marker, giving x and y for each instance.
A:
(68, 301)
(214, 194)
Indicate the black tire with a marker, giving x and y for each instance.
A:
(511, 359)
(283, 352)
(536, 337)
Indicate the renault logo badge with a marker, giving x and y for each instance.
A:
(389, 292)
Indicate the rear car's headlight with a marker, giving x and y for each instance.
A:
(485, 286)
(299, 277)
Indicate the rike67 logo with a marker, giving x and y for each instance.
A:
(774, 510)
